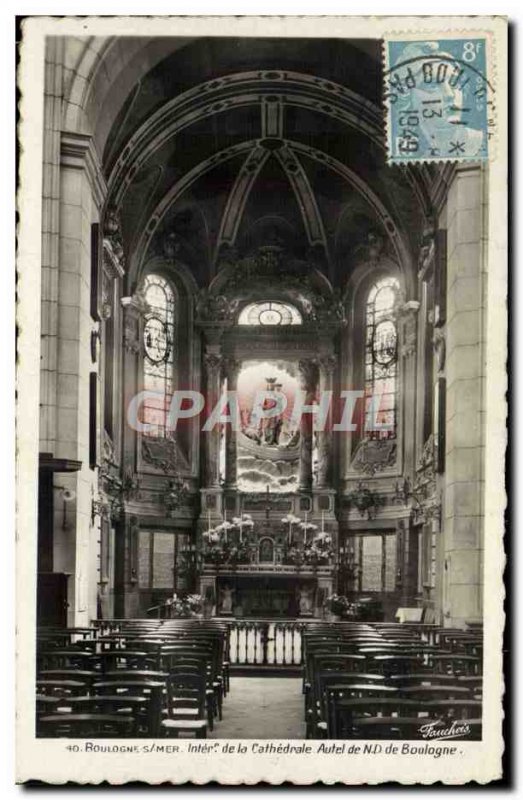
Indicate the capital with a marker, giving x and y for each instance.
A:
(308, 372)
(213, 361)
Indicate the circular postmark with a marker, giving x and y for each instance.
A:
(439, 100)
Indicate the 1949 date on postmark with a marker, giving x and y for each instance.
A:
(438, 98)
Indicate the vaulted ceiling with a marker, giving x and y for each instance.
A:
(230, 144)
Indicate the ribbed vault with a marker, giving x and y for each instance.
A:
(191, 159)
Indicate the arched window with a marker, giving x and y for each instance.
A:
(270, 314)
(159, 343)
(381, 358)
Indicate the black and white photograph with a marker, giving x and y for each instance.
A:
(265, 303)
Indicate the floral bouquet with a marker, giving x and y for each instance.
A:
(221, 548)
(320, 550)
(184, 606)
(237, 553)
(213, 550)
(295, 555)
(336, 604)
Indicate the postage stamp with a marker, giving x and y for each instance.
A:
(261, 400)
(439, 99)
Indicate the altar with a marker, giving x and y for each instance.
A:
(257, 591)
(266, 596)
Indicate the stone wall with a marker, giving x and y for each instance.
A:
(463, 517)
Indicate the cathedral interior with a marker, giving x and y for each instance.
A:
(219, 218)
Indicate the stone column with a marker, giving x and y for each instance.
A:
(463, 522)
(71, 371)
(231, 370)
(308, 375)
(126, 589)
(327, 365)
(213, 366)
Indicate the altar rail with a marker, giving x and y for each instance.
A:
(264, 644)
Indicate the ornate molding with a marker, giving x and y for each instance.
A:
(212, 308)
(327, 309)
(366, 500)
(427, 250)
(113, 259)
(108, 451)
(175, 495)
(113, 251)
(374, 456)
(114, 490)
(161, 454)
(213, 361)
(406, 313)
(271, 265)
(135, 308)
(429, 511)
(77, 151)
(426, 459)
(440, 348)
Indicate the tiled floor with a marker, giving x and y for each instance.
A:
(262, 708)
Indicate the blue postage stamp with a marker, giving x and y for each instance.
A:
(439, 101)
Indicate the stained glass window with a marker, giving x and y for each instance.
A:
(270, 314)
(381, 358)
(159, 343)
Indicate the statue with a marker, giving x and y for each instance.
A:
(270, 428)
(305, 601)
(226, 600)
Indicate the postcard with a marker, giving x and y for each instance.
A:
(261, 412)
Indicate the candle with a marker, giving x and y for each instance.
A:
(323, 521)
(209, 519)
(305, 530)
(290, 531)
(241, 523)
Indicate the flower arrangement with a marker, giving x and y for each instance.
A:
(237, 553)
(221, 548)
(295, 555)
(336, 604)
(184, 606)
(317, 550)
(320, 550)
